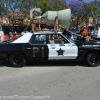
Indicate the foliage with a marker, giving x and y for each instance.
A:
(94, 7)
(92, 10)
(3, 8)
(83, 11)
(77, 9)
(43, 4)
(15, 8)
(47, 5)
(58, 5)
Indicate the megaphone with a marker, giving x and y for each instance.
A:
(64, 17)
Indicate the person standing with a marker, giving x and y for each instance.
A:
(67, 34)
(1, 35)
(84, 32)
(97, 32)
(91, 33)
(10, 33)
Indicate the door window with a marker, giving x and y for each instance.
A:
(57, 39)
(38, 39)
(48, 39)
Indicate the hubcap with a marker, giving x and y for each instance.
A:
(94, 59)
(17, 59)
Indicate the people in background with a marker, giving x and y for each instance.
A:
(59, 28)
(97, 32)
(37, 29)
(67, 34)
(1, 35)
(84, 31)
(23, 32)
(92, 33)
(15, 33)
(33, 26)
(10, 33)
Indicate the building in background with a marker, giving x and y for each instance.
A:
(15, 18)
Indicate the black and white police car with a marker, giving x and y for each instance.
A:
(46, 46)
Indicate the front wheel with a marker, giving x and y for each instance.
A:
(17, 60)
(93, 59)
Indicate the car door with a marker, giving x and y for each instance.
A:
(37, 49)
(61, 48)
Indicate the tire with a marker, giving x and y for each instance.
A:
(17, 60)
(93, 59)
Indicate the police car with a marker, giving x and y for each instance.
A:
(48, 46)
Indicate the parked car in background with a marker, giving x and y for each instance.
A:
(14, 37)
(75, 31)
(6, 37)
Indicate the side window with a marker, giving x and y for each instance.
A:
(57, 39)
(48, 39)
(38, 39)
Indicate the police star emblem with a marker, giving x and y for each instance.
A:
(60, 52)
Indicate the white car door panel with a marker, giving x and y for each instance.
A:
(66, 51)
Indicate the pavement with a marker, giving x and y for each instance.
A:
(50, 81)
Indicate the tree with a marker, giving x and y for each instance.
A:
(14, 9)
(58, 4)
(87, 14)
(82, 11)
(3, 8)
(20, 8)
(47, 5)
(77, 9)
(95, 10)
(44, 5)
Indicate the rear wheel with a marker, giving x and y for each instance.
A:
(93, 59)
(17, 60)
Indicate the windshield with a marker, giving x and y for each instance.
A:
(70, 40)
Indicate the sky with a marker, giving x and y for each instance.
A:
(85, 0)
(89, 0)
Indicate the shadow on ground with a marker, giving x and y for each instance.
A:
(48, 64)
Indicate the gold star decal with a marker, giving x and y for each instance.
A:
(60, 52)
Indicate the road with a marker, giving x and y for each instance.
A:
(50, 81)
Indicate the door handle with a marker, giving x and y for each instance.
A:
(61, 45)
(52, 47)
